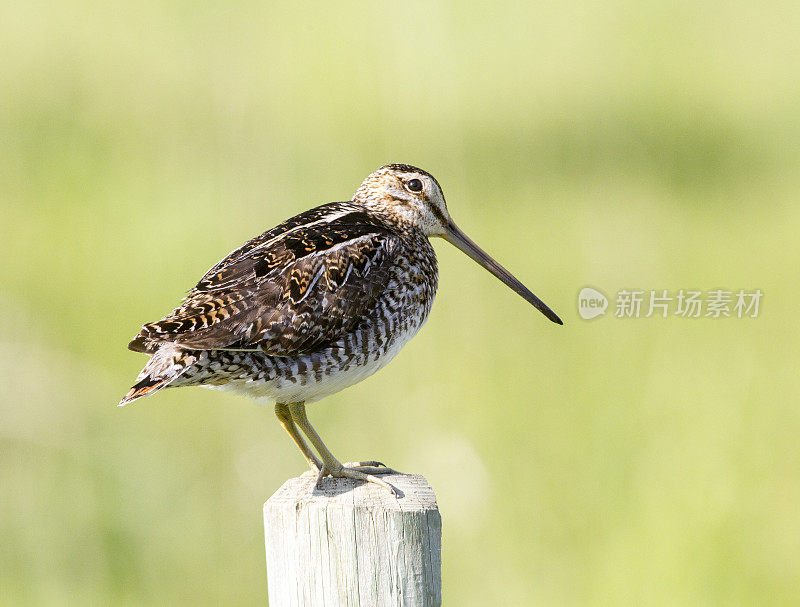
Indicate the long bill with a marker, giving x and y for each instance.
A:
(457, 238)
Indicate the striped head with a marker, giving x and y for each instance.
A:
(413, 197)
(408, 195)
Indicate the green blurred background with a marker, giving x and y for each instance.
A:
(649, 145)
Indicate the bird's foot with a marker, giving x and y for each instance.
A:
(367, 467)
(371, 467)
(360, 471)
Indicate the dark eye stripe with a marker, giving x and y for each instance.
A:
(438, 213)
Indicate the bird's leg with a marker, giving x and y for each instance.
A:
(332, 465)
(285, 418)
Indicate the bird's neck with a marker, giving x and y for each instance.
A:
(397, 219)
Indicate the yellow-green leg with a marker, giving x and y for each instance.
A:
(285, 418)
(362, 471)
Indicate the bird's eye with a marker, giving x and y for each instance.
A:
(414, 185)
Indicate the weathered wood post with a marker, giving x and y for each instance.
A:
(353, 543)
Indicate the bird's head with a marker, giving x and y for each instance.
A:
(410, 196)
(413, 197)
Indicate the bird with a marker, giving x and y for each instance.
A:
(314, 305)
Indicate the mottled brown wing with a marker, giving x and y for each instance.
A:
(291, 293)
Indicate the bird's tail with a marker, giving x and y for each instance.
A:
(165, 366)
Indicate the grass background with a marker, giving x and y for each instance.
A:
(649, 145)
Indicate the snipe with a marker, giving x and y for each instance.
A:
(314, 305)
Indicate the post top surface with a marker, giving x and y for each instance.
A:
(414, 493)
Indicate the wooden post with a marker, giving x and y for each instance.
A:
(353, 543)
